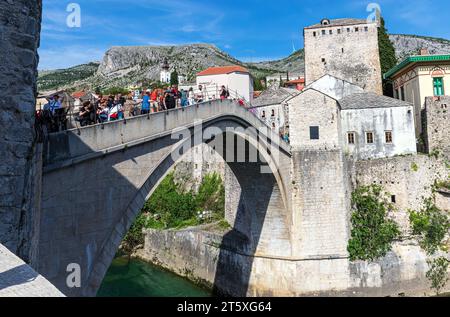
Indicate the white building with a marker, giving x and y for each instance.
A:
(271, 107)
(332, 113)
(236, 79)
(376, 126)
(275, 78)
(165, 72)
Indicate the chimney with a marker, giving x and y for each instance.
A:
(424, 52)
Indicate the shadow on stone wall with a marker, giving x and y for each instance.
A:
(90, 203)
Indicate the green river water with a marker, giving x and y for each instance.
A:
(140, 279)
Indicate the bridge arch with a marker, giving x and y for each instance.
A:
(140, 167)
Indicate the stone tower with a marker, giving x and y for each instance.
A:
(344, 48)
(165, 72)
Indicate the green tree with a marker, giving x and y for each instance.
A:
(174, 78)
(259, 84)
(388, 58)
(372, 232)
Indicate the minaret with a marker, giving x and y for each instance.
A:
(165, 72)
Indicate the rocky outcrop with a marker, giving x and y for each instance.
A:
(406, 45)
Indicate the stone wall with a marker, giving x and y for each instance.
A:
(20, 167)
(312, 108)
(352, 56)
(437, 124)
(407, 179)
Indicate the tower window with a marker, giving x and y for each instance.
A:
(369, 138)
(339, 31)
(388, 135)
(393, 199)
(314, 34)
(356, 29)
(366, 28)
(263, 114)
(314, 133)
(273, 113)
(351, 137)
(348, 30)
(323, 32)
(331, 32)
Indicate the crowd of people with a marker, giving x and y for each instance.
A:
(117, 107)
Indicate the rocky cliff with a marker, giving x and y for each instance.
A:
(136, 65)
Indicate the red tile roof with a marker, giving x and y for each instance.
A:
(223, 70)
(296, 81)
(78, 94)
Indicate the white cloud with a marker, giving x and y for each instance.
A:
(63, 57)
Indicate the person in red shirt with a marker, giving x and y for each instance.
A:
(154, 100)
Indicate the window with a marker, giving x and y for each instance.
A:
(393, 199)
(438, 85)
(273, 125)
(348, 30)
(339, 31)
(351, 137)
(342, 50)
(273, 113)
(314, 133)
(263, 114)
(356, 29)
(402, 93)
(331, 32)
(366, 28)
(323, 60)
(388, 135)
(369, 137)
(314, 34)
(323, 32)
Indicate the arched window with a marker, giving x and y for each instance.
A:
(273, 113)
(263, 114)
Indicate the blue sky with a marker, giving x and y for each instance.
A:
(250, 30)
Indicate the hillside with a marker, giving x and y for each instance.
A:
(406, 45)
(49, 80)
(125, 66)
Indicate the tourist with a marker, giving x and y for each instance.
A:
(55, 104)
(86, 114)
(129, 108)
(184, 98)
(224, 94)
(191, 97)
(200, 95)
(154, 100)
(169, 100)
(145, 108)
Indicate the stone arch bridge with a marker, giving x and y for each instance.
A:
(96, 180)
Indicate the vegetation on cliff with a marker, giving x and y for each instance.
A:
(170, 207)
(372, 232)
(431, 226)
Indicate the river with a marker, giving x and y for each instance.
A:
(140, 279)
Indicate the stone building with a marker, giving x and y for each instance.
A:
(271, 106)
(419, 77)
(436, 117)
(332, 114)
(377, 126)
(345, 48)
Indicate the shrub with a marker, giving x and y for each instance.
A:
(430, 225)
(437, 274)
(372, 232)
